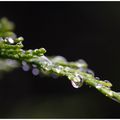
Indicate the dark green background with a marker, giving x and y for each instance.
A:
(87, 30)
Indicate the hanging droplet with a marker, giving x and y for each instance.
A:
(10, 40)
(99, 86)
(44, 59)
(26, 67)
(77, 82)
(89, 71)
(74, 84)
(80, 63)
(35, 71)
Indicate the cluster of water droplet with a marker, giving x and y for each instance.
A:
(7, 39)
(27, 67)
(11, 40)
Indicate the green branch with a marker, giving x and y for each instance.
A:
(77, 72)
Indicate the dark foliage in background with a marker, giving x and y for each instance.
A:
(87, 30)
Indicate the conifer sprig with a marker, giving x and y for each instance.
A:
(77, 72)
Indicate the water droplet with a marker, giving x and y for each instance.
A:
(59, 59)
(58, 68)
(20, 38)
(35, 71)
(99, 86)
(44, 60)
(74, 84)
(25, 66)
(89, 71)
(107, 81)
(22, 51)
(67, 68)
(77, 81)
(81, 61)
(10, 40)
(97, 78)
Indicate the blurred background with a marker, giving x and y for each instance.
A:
(87, 30)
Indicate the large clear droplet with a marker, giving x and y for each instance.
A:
(35, 71)
(74, 84)
(77, 82)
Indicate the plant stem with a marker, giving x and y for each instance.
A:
(77, 72)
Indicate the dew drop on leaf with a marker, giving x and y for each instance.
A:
(10, 40)
(107, 81)
(35, 71)
(77, 82)
(99, 86)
